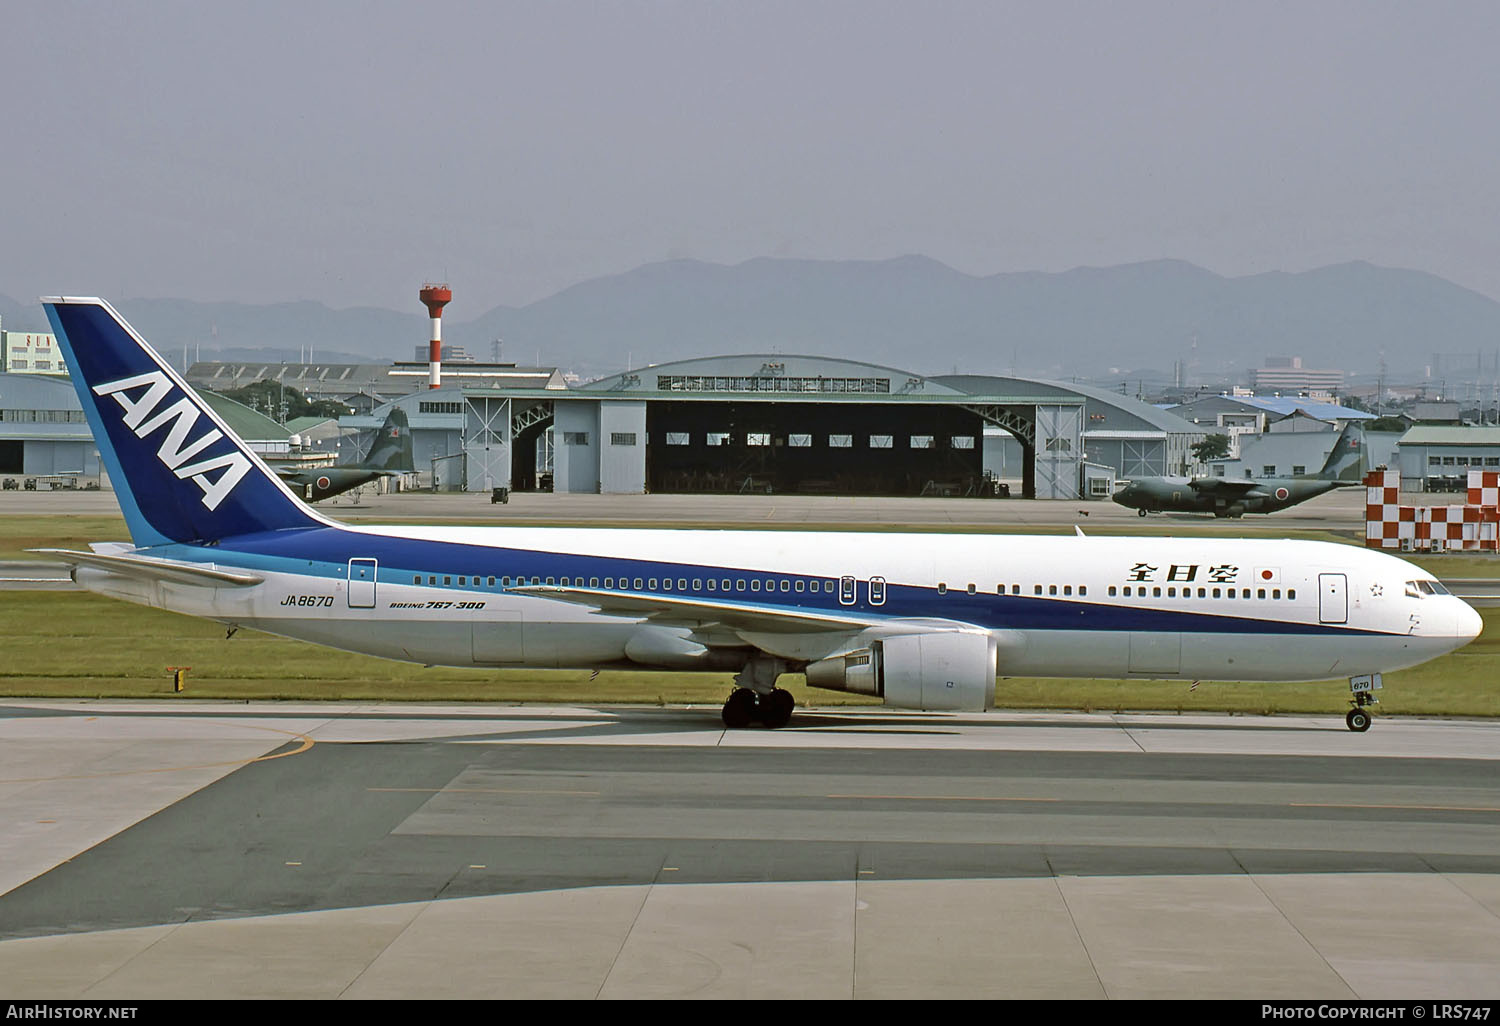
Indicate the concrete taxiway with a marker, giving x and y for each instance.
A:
(1341, 510)
(199, 849)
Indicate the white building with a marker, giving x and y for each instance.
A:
(30, 352)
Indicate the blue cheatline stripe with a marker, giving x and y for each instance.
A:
(325, 552)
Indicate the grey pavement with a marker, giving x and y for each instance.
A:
(178, 849)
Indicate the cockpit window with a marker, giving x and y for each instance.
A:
(1421, 589)
(1437, 587)
(1413, 590)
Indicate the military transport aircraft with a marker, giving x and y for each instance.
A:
(389, 454)
(1233, 497)
(921, 621)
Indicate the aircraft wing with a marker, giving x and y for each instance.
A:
(695, 612)
(1224, 485)
(147, 568)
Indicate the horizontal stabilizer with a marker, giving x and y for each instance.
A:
(147, 568)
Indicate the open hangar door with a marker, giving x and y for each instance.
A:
(814, 448)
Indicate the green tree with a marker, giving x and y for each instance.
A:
(268, 397)
(1211, 448)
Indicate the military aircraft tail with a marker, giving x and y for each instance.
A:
(1343, 463)
(391, 450)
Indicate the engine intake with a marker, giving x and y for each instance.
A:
(943, 670)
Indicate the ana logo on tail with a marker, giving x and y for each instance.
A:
(176, 450)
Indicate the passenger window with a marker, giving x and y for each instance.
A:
(651, 585)
(1111, 591)
(697, 584)
(712, 583)
(1067, 589)
(682, 584)
(593, 582)
(1051, 589)
(417, 579)
(1291, 593)
(447, 581)
(1276, 593)
(492, 582)
(609, 582)
(942, 588)
(799, 585)
(1083, 589)
(463, 582)
(755, 585)
(1036, 589)
(971, 589)
(739, 585)
(639, 584)
(1171, 593)
(1015, 589)
(786, 585)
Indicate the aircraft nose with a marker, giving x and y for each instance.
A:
(1470, 623)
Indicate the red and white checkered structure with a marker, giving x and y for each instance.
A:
(1474, 526)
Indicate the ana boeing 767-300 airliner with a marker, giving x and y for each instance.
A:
(921, 621)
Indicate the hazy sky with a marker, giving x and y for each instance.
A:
(347, 151)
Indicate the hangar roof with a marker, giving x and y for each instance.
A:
(818, 378)
(37, 392)
(1106, 410)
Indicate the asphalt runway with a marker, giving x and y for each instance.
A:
(183, 849)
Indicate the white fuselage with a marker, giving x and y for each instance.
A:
(1059, 606)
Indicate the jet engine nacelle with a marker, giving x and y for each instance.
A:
(943, 670)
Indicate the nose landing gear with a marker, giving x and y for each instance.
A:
(1362, 688)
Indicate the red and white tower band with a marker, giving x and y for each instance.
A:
(435, 297)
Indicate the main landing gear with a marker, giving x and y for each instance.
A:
(757, 697)
(1363, 689)
(774, 709)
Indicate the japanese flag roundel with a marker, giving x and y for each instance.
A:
(1268, 575)
(1282, 493)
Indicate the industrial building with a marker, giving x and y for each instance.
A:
(788, 424)
(1439, 458)
(30, 352)
(364, 386)
(43, 433)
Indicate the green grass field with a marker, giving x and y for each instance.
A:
(69, 644)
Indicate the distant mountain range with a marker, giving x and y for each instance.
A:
(912, 313)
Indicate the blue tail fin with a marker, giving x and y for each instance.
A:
(179, 472)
